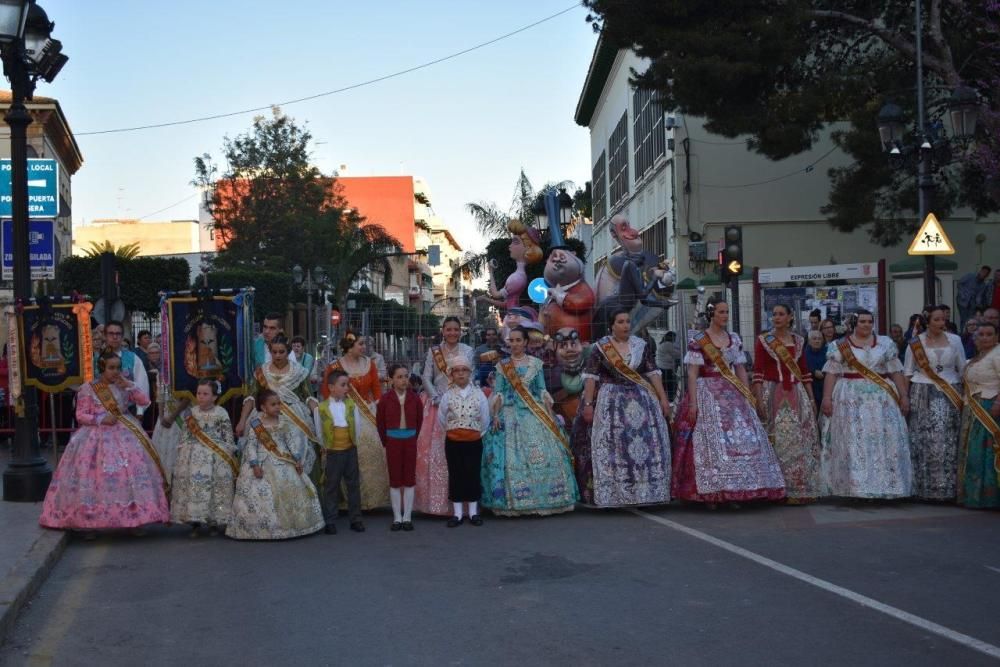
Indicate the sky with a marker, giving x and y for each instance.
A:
(467, 126)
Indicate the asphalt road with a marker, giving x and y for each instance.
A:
(590, 588)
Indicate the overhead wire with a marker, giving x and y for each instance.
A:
(354, 86)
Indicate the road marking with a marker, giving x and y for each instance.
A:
(65, 609)
(989, 567)
(899, 614)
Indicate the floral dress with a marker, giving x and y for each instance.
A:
(106, 478)
(283, 503)
(977, 475)
(725, 455)
(934, 420)
(527, 468)
(866, 448)
(203, 480)
(626, 459)
(789, 415)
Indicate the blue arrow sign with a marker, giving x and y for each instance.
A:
(538, 290)
(43, 188)
(42, 244)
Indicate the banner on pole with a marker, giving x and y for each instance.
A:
(55, 347)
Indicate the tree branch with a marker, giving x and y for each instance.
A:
(949, 73)
(946, 69)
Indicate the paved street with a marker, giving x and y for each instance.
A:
(591, 588)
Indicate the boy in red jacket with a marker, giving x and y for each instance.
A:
(399, 414)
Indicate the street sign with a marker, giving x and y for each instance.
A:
(43, 188)
(931, 239)
(538, 290)
(42, 249)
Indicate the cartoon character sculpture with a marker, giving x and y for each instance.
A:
(633, 278)
(570, 300)
(566, 381)
(514, 317)
(524, 250)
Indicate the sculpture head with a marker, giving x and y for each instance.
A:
(563, 267)
(569, 349)
(622, 231)
(524, 243)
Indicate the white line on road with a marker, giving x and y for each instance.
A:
(906, 617)
(990, 567)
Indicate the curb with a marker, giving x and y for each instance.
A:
(18, 587)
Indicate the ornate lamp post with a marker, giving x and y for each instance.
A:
(28, 55)
(927, 147)
(312, 281)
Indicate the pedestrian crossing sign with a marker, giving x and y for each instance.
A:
(931, 239)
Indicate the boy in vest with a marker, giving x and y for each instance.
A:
(334, 421)
(465, 415)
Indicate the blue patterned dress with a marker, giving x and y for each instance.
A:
(526, 468)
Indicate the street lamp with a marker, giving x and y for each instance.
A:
(28, 54)
(548, 203)
(928, 142)
(314, 280)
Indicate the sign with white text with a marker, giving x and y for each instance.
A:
(43, 188)
(794, 274)
(42, 249)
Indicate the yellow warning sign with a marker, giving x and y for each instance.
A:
(931, 239)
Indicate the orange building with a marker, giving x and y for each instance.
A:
(383, 200)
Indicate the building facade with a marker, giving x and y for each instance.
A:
(189, 239)
(680, 186)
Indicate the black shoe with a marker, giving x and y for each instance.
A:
(476, 520)
(357, 527)
(407, 526)
(396, 526)
(454, 522)
(330, 529)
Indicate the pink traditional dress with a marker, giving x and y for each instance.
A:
(431, 496)
(725, 455)
(109, 476)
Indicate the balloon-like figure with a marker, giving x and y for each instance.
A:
(633, 278)
(524, 250)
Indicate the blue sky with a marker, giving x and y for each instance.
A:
(467, 125)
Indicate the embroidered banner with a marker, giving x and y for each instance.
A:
(55, 345)
(208, 335)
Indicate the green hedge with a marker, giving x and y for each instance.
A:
(272, 293)
(140, 280)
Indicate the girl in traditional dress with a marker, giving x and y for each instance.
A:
(110, 475)
(978, 454)
(866, 449)
(400, 415)
(782, 386)
(627, 458)
(365, 391)
(721, 451)
(289, 380)
(432, 466)
(527, 464)
(935, 361)
(275, 499)
(206, 467)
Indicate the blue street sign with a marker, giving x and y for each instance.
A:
(42, 243)
(538, 290)
(43, 188)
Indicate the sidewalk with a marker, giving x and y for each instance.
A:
(28, 553)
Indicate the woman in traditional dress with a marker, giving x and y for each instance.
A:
(274, 499)
(935, 361)
(978, 454)
(627, 458)
(527, 465)
(782, 386)
(206, 467)
(109, 476)
(432, 468)
(721, 451)
(365, 390)
(866, 449)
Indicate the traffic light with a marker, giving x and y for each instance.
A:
(731, 254)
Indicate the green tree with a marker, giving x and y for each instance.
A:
(272, 208)
(781, 72)
(127, 251)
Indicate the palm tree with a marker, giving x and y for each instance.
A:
(127, 251)
(492, 222)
